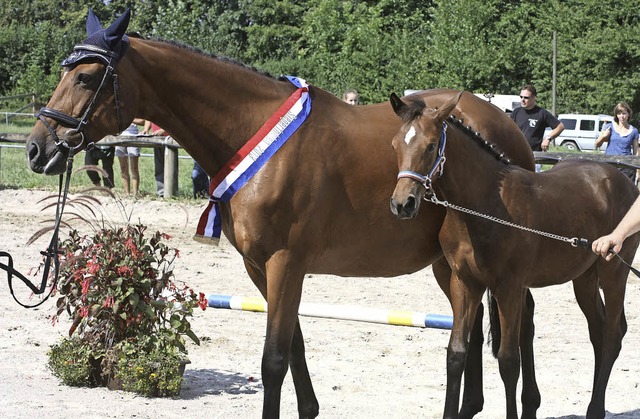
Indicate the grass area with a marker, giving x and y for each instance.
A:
(16, 174)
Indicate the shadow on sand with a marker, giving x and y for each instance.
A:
(201, 382)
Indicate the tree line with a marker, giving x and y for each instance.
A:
(374, 46)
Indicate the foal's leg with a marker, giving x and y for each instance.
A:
(308, 406)
(613, 280)
(587, 292)
(530, 392)
(472, 397)
(510, 297)
(465, 299)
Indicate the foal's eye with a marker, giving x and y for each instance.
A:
(431, 148)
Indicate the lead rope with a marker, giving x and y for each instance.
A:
(52, 254)
(573, 241)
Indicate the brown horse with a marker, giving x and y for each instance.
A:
(319, 205)
(573, 198)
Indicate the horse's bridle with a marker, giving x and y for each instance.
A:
(52, 254)
(436, 170)
(80, 124)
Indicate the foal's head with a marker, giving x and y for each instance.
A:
(88, 102)
(420, 151)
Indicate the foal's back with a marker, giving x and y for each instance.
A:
(574, 199)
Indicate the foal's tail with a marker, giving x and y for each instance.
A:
(494, 324)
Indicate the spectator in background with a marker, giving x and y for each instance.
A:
(533, 120)
(200, 181)
(128, 158)
(106, 155)
(621, 136)
(351, 97)
(158, 156)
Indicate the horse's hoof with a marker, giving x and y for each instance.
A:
(469, 411)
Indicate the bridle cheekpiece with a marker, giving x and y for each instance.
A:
(436, 170)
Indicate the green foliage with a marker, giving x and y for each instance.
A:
(72, 362)
(375, 47)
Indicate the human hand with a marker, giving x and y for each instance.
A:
(602, 245)
(545, 144)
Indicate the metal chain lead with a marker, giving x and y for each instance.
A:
(573, 241)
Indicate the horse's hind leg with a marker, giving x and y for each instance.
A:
(613, 280)
(530, 391)
(308, 406)
(472, 398)
(510, 298)
(586, 290)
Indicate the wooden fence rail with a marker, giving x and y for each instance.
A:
(171, 154)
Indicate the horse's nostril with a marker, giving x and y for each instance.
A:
(410, 205)
(33, 151)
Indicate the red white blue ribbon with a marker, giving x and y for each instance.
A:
(252, 156)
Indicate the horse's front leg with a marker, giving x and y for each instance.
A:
(472, 396)
(284, 290)
(465, 299)
(308, 406)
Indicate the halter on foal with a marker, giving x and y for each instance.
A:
(506, 260)
(319, 205)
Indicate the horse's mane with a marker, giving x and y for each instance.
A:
(196, 50)
(485, 144)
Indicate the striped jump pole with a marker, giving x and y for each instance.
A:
(340, 312)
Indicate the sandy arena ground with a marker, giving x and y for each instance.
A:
(359, 370)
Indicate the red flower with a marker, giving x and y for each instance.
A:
(86, 284)
(84, 311)
(108, 302)
(92, 266)
(203, 302)
(124, 271)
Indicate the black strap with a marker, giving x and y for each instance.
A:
(587, 245)
(52, 254)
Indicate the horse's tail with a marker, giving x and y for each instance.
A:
(494, 324)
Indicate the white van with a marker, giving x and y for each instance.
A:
(581, 131)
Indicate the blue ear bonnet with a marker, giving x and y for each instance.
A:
(107, 45)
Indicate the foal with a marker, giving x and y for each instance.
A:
(574, 198)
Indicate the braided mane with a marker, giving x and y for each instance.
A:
(485, 144)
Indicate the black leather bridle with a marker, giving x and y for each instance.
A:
(52, 254)
(79, 124)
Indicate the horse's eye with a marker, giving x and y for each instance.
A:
(85, 79)
(431, 147)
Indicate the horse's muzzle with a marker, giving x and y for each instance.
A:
(405, 210)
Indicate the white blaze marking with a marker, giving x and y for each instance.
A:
(410, 135)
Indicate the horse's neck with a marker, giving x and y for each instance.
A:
(472, 176)
(210, 106)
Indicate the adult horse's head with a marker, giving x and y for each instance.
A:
(419, 146)
(86, 105)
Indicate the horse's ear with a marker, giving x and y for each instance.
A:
(445, 110)
(93, 24)
(114, 33)
(397, 104)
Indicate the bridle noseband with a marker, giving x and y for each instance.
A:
(79, 124)
(436, 170)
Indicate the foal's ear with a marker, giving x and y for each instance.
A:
(397, 104)
(445, 110)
